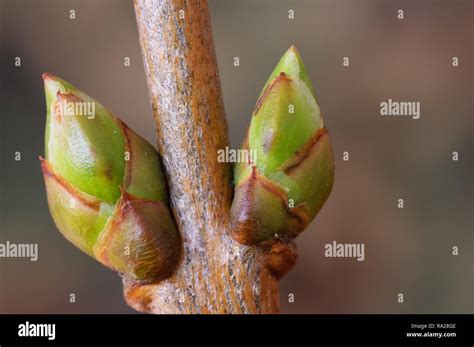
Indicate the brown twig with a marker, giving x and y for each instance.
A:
(215, 275)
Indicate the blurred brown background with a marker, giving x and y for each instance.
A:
(407, 250)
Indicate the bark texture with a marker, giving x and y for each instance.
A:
(215, 274)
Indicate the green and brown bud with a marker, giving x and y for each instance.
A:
(105, 186)
(280, 193)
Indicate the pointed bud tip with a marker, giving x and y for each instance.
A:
(292, 65)
(294, 52)
(291, 62)
(293, 48)
(54, 84)
(48, 76)
(50, 80)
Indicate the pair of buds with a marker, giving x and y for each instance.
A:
(106, 188)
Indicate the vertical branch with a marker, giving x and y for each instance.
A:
(215, 275)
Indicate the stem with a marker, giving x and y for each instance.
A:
(216, 274)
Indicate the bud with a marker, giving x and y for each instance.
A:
(279, 194)
(105, 186)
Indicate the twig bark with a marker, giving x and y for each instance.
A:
(215, 275)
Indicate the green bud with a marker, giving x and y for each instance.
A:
(105, 186)
(293, 171)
